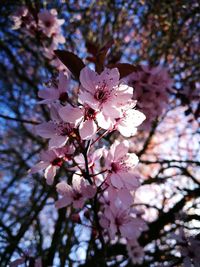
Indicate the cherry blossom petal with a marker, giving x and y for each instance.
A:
(71, 115)
(127, 231)
(46, 129)
(63, 188)
(126, 131)
(48, 94)
(125, 88)
(119, 150)
(78, 204)
(112, 231)
(132, 160)
(122, 99)
(63, 82)
(104, 222)
(48, 155)
(49, 174)
(57, 141)
(129, 180)
(110, 110)
(54, 112)
(77, 181)
(89, 191)
(88, 98)
(103, 121)
(125, 197)
(97, 154)
(111, 77)
(87, 129)
(137, 117)
(116, 180)
(80, 160)
(39, 167)
(88, 78)
(63, 202)
(60, 21)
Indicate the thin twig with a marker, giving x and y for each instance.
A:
(20, 120)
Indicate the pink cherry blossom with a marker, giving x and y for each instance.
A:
(22, 18)
(56, 91)
(117, 219)
(56, 130)
(66, 152)
(121, 164)
(49, 23)
(83, 117)
(123, 196)
(93, 159)
(50, 27)
(151, 90)
(76, 194)
(130, 120)
(50, 161)
(135, 252)
(104, 93)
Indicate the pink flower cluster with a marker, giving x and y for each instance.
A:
(151, 90)
(22, 18)
(100, 175)
(47, 25)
